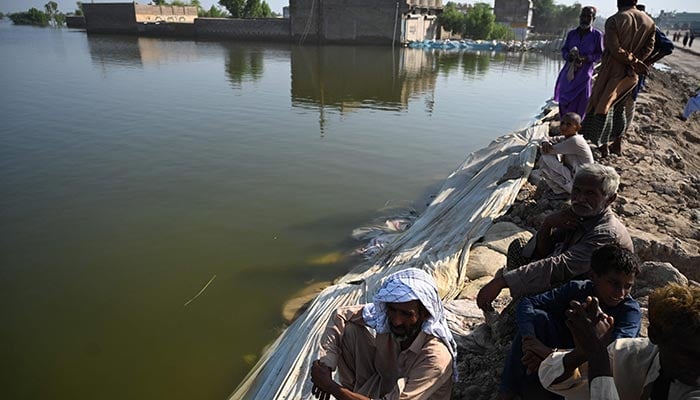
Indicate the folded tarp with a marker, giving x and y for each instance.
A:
(480, 190)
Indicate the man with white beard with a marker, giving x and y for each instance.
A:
(562, 247)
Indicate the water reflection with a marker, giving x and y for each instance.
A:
(108, 50)
(244, 64)
(135, 52)
(346, 78)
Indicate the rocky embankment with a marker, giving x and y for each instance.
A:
(658, 201)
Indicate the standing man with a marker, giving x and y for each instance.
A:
(562, 247)
(411, 357)
(582, 49)
(629, 40)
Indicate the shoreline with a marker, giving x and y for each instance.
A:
(658, 202)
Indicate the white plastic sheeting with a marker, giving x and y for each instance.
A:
(477, 192)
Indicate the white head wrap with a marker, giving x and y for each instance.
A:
(407, 285)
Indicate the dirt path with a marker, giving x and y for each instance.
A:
(684, 61)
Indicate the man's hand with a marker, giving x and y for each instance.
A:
(534, 352)
(564, 219)
(322, 381)
(532, 362)
(546, 147)
(489, 292)
(589, 326)
(640, 67)
(532, 344)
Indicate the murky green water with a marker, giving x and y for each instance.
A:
(134, 170)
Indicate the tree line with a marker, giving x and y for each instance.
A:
(479, 23)
(51, 16)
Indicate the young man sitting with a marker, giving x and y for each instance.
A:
(541, 319)
(562, 155)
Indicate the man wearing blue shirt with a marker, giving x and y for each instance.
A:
(541, 318)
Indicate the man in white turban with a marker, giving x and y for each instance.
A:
(411, 355)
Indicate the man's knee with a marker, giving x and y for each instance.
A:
(515, 257)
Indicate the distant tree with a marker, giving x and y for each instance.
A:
(548, 17)
(234, 7)
(56, 18)
(30, 17)
(160, 2)
(79, 8)
(479, 21)
(2, 16)
(501, 32)
(247, 8)
(452, 19)
(213, 12)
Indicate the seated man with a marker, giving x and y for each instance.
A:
(574, 152)
(664, 366)
(540, 319)
(562, 247)
(411, 357)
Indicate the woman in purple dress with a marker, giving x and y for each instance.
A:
(582, 50)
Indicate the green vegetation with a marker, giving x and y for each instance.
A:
(79, 8)
(554, 18)
(477, 23)
(213, 12)
(50, 16)
(247, 8)
(30, 17)
(2, 16)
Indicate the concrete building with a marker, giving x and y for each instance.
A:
(363, 21)
(515, 14)
(381, 22)
(126, 17)
(678, 20)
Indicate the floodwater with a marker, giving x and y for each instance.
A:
(135, 172)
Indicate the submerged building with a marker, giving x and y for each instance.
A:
(515, 14)
(364, 21)
(127, 17)
(306, 21)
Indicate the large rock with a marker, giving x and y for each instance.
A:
(665, 249)
(654, 274)
(501, 234)
(471, 288)
(483, 262)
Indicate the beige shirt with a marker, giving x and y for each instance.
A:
(422, 371)
(635, 366)
(574, 149)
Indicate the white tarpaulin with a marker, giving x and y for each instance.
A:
(478, 191)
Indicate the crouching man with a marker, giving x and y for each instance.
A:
(411, 356)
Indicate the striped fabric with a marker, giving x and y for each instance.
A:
(604, 128)
(407, 285)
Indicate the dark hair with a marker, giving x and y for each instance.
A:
(612, 257)
(641, 7)
(626, 3)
